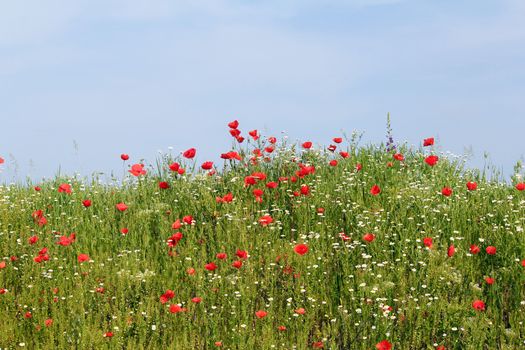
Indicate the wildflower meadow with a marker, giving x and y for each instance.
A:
(278, 245)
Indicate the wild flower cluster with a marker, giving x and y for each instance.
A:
(281, 246)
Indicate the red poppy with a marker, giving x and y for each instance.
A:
(428, 142)
(472, 186)
(261, 314)
(446, 191)
(37, 188)
(358, 167)
(175, 308)
(301, 249)
(241, 254)
(332, 148)
(431, 160)
(167, 296)
(64, 188)
(189, 153)
(305, 190)
(281, 328)
(474, 249)
(233, 125)
(33, 239)
(399, 156)
(478, 305)
(307, 145)
(384, 345)
(48, 322)
(375, 190)
(207, 165)
(66, 241)
(221, 256)
(254, 134)
(108, 335)
(137, 170)
(188, 219)
(86, 203)
(124, 231)
(333, 162)
(489, 280)
(337, 139)
(344, 154)
(265, 220)
(491, 250)
(427, 241)
(174, 166)
(121, 206)
(520, 186)
(300, 311)
(210, 266)
(196, 300)
(451, 250)
(237, 264)
(369, 237)
(82, 258)
(2, 160)
(124, 156)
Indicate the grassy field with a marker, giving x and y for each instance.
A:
(282, 246)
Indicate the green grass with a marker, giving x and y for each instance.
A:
(355, 294)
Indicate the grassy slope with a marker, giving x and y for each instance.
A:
(343, 286)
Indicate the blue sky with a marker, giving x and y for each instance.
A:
(83, 81)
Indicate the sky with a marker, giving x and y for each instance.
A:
(83, 81)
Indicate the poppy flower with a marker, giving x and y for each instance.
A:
(176, 308)
(337, 139)
(317, 345)
(48, 322)
(375, 190)
(137, 170)
(174, 166)
(37, 188)
(2, 160)
(472, 186)
(233, 125)
(399, 156)
(167, 296)
(281, 328)
(124, 156)
(196, 300)
(188, 219)
(431, 160)
(384, 345)
(474, 249)
(241, 254)
(261, 314)
(254, 135)
(221, 256)
(305, 190)
(163, 185)
(491, 250)
(64, 188)
(189, 153)
(369, 237)
(428, 142)
(82, 258)
(307, 145)
(237, 264)
(332, 148)
(33, 239)
(124, 231)
(265, 220)
(520, 186)
(451, 250)
(344, 154)
(358, 167)
(446, 191)
(301, 249)
(66, 241)
(86, 203)
(478, 305)
(108, 335)
(333, 162)
(427, 241)
(300, 311)
(210, 266)
(121, 206)
(218, 343)
(207, 165)
(489, 280)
